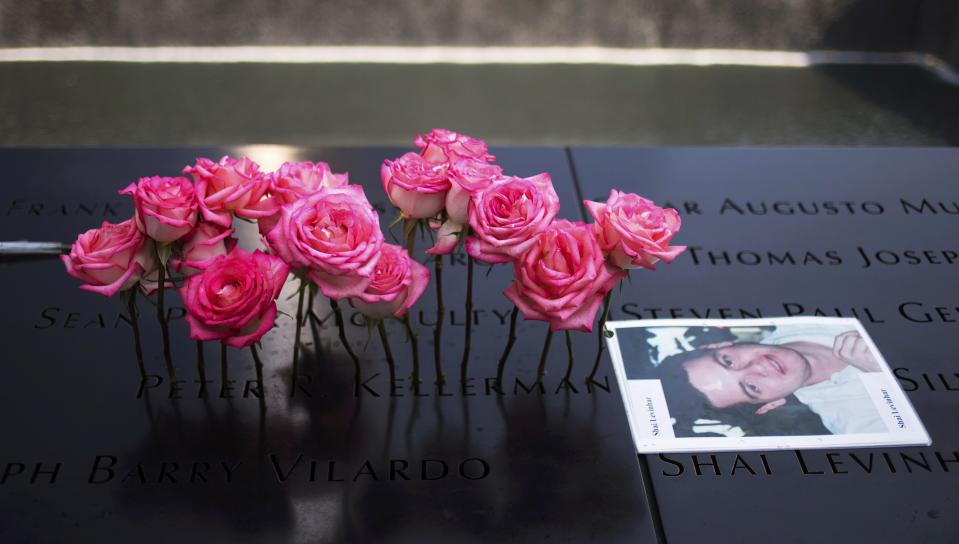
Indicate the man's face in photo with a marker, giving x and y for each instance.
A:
(748, 374)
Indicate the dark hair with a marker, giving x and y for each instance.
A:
(687, 405)
(637, 343)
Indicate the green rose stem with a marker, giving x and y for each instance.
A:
(410, 228)
(386, 349)
(509, 346)
(299, 326)
(310, 314)
(316, 324)
(414, 347)
(341, 325)
(163, 253)
(200, 363)
(224, 367)
(541, 370)
(440, 313)
(600, 335)
(258, 364)
(569, 351)
(468, 334)
(130, 296)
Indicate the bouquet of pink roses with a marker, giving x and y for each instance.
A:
(563, 270)
(317, 226)
(314, 223)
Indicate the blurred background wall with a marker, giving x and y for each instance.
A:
(863, 25)
(887, 100)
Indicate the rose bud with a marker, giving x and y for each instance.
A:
(441, 145)
(448, 236)
(562, 277)
(231, 186)
(234, 299)
(416, 186)
(506, 215)
(397, 283)
(333, 236)
(298, 179)
(165, 207)
(634, 231)
(111, 258)
(204, 244)
(466, 176)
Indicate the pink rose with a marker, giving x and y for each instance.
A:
(334, 236)
(506, 215)
(111, 258)
(634, 231)
(166, 207)
(204, 244)
(231, 186)
(441, 145)
(298, 179)
(295, 179)
(416, 186)
(234, 299)
(562, 277)
(468, 177)
(397, 283)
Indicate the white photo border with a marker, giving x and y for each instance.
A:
(914, 435)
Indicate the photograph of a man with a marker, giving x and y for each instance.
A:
(786, 379)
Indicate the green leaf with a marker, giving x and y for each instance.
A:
(408, 227)
(163, 253)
